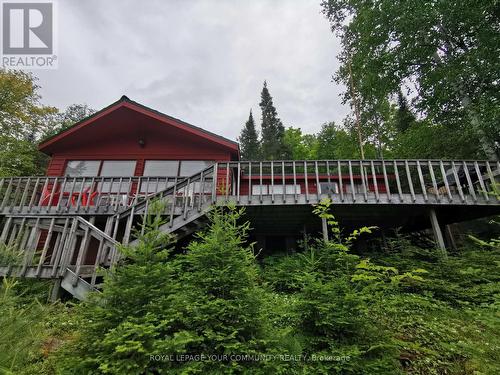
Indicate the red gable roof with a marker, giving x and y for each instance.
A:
(124, 102)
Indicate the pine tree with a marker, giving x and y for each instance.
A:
(206, 301)
(404, 117)
(273, 145)
(249, 141)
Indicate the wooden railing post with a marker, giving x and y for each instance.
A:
(45, 246)
(434, 183)
(272, 182)
(386, 182)
(410, 182)
(295, 182)
(421, 179)
(306, 181)
(351, 180)
(59, 248)
(215, 182)
(481, 182)
(341, 182)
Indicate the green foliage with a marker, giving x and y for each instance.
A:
(426, 140)
(404, 116)
(440, 51)
(493, 243)
(9, 255)
(249, 140)
(204, 302)
(301, 146)
(272, 142)
(404, 310)
(24, 122)
(31, 330)
(336, 143)
(331, 142)
(431, 316)
(328, 286)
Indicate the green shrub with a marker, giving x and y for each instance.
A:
(31, 330)
(205, 302)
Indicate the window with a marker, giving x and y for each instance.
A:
(82, 168)
(274, 189)
(328, 188)
(358, 188)
(118, 168)
(292, 189)
(161, 168)
(155, 184)
(259, 189)
(190, 167)
(289, 189)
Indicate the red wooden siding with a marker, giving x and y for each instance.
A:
(129, 131)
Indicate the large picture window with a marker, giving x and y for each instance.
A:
(190, 167)
(172, 168)
(328, 188)
(275, 189)
(163, 168)
(118, 168)
(82, 168)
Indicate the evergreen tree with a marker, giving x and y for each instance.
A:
(273, 145)
(206, 301)
(404, 117)
(249, 141)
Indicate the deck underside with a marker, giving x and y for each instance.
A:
(290, 220)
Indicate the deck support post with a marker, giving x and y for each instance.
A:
(438, 234)
(450, 237)
(324, 227)
(55, 292)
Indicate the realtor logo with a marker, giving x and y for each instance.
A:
(28, 35)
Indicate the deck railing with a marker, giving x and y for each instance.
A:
(60, 195)
(46, 246)
(344, 181)
(359, 181)
(431, 182)
(43, 223)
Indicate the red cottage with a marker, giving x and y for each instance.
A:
(106, 170)
(129, 139)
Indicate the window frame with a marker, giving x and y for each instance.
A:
(161, 160)
(99, 165)
(117, 160)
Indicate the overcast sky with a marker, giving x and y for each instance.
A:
(201, 61)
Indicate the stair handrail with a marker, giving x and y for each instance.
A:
(171, 190)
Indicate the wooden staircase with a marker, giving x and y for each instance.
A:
(56, 247)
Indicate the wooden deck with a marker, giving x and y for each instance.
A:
(69, 228)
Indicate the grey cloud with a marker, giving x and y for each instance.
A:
(201, 61)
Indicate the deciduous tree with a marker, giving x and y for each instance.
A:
(445, 52)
